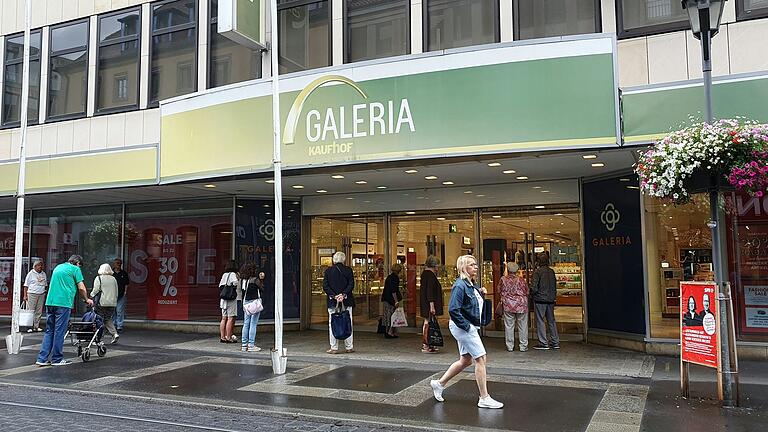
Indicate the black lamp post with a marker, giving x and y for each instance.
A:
(705, 16)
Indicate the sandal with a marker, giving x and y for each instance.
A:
(332, 351)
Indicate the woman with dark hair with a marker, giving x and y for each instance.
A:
(691, 318)
(390, 299)
(228, 307)
(431, 296)
(252, 286)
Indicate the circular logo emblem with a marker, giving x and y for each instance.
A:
(268, 230)
(610, 217)
(710, 324)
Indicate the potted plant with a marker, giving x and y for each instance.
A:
(730, 153)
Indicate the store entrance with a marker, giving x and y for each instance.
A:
(520, 235)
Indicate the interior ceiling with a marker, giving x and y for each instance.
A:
(477, 172)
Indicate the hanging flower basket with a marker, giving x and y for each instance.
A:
(733, 154)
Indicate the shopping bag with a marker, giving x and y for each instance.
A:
(434, 335)
(398, 318)
(254, 307)
(341, 324)
(26, 316)
(487, 315)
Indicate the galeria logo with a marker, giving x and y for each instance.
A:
(610, 217)
(267, 229)
(337, 125)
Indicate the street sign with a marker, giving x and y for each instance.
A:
(243, 21)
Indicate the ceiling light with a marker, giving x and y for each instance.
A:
(521, 233)
(430, 177)
(557, 232)
(441, 218)
(411, 171)
(355, 215)
(535, 187)
(210, 186)
(558, 214)
(265, 205)
(321, 191)
(381, 187)
(625, 179)
(298, 186)
(239, 206)
(589, 156)
(448, 183)
(494, 164)
(545, 191)
(350, 198)
(270, 181)
(467, 192)
(509, 171)
(522, 178)
(633, 187)
(295, 202)
(539, 207)
(480, 195)
(268, 213)
(496, 216)
(410, 212)
(598, 165)
(361, 182)
(337, 176)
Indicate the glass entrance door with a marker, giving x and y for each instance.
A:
(521, 235)
(362, 241)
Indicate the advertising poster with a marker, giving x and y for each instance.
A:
(756, 306)
(698, 326)
(255, 242)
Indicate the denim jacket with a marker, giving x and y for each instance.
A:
(463, 307)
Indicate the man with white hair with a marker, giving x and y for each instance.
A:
(338, 283)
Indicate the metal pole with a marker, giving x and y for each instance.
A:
(728, 379)
(279, 354)
(14, 340)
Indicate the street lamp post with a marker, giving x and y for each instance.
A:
(705, 17)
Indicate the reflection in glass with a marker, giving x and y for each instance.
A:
(457, 23)
(7, 243)
(173, 14)
(69, 37)
(119, 26)
(376, 28)
(546, 18)
(230, 62)
(14, 47)
(173, 59)
(68, 84)
(118, 77)
(304, 37)
(638, 14)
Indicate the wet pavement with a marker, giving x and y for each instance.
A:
(386, 382)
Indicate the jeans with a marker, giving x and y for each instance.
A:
(546, 311)
(120, 312)
(57, 318)
(521, 319)
(332, 338)
(250, 322)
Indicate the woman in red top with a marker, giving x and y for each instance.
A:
(514, 301)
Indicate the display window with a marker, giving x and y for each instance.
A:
(7, 250)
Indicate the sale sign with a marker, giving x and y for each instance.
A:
(699, 330)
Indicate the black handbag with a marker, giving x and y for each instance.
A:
(381, 328)
(341, 324)
(487, 315)
(227, 292)
(434, 335)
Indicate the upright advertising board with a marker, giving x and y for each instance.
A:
(699, 326)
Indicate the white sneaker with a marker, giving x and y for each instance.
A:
(41, 364)
(115, 338)
(62, 363)
(437, 390)
(30, 331)
(254, 349)
(234, 338)
(489, 402)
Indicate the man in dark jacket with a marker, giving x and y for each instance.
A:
(338, 283)
(544, 294)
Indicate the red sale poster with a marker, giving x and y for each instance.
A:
(170, 264)
(699, 330)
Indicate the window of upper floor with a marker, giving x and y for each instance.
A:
(229, 62)
(547, 18)
(304, 34)
(13, 74)
(173, 49)
(118, 61)
(647, 17)
(751, 9)
(376, 29)
(68, 70)
(458, 23)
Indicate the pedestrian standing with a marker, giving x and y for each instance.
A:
(338, 283)
(229, 307)
(121, 276)
(514, 303)
(106, 285)
(66, 281)
(35, 285)
(465, 309)
(431, 295)
(544, 293)
(390, 299)
(252, 285)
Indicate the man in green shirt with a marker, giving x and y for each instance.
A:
(66, 281)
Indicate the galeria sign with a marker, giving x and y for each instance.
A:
(699, 329)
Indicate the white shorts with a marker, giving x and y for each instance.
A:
(228, 308)
(469, 342)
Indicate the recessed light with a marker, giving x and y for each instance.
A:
(589, 156)
(361, 182)
(494, 164)
(430, 177)
(355, 215)
(411, 171)
(522, 178)
(265, 205)
(268, 213)
(240, 206)
(479, 195)
(210, 186)
(545, 191)
(633, 187)
(270, 181)
(496, 216)
(350, 198)
(540, 207)
(521, 233)
(441, 218)
(410, 213)
(337, 176)
(298, 186)
(381, 187)
(467, 192)
(321, 191)
(598, 165)
(295, 203)
(625, 179)
(509, 172)
(448, 183)
(535, 187)
(557, 232)
(558, 214)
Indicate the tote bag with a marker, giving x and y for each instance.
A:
(398, 318)
(341, 323)
(434, 335)
(26, 316)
